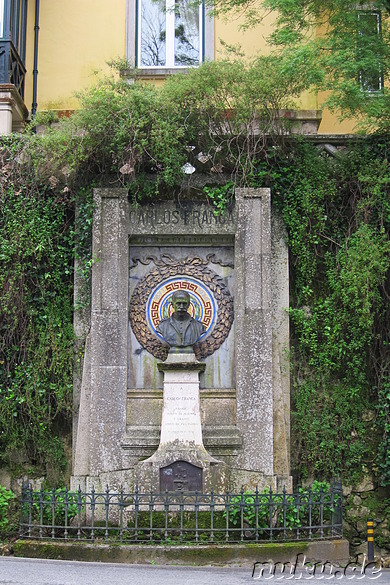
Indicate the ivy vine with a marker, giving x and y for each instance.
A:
(337, 214)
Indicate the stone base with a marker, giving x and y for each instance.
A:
(114, 480)
(216, 476)
(249, 480)
(198, 471)
(243, 555)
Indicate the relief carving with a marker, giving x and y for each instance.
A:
(167, 267)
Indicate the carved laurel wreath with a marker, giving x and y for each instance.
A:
(166, 267)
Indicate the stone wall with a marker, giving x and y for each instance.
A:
(362, 502)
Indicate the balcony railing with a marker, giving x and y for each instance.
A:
(12, 69)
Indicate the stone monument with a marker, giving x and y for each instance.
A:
(181, 462)
(188, 402)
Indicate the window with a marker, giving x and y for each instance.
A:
(369, 36)
(169, 33)
(164, 35)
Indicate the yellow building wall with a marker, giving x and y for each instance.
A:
(76, 39)
(330, 123)
(29, 53)
(252, 42)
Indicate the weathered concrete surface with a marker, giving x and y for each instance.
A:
(191, 218)
(280, 348)
(334, 551)
(102, 413)
(253, 330)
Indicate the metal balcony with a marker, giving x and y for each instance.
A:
(12, 70)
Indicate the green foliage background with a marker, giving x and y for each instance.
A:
(337, 214)
(330, 45)
(36, 343)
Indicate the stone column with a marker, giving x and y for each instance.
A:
(180, 421)
(5, 116)
(13, 112)
(253, 330)
(280, 352)
(181, 461)
(102, 413)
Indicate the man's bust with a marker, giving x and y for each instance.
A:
(180, 330)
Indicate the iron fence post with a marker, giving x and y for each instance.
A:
(227, 509)
(337, 508)
(93, 504)
(66, 513)
(121, 509)
(136, 507)
(79, 504)
(212, 516)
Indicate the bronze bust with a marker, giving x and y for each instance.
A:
(180, 330)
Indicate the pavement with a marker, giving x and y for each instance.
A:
(21, 571)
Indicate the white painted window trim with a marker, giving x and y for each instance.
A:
(1, 18)
(169, 33)
(366, 9)
(131, 23)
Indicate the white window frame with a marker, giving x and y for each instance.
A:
(1, 19)
(363, 12)
(206, 39)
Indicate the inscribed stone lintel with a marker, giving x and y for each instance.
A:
(199, 240)
(188, 219)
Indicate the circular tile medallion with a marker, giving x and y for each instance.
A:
(211, 302)
(202, 305)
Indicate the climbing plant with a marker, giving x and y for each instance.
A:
(340, 46)
(224, 119)
(36, 341)
(219, 117)
(337, 215)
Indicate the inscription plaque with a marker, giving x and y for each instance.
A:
(181, 476)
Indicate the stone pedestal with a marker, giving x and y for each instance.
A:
(13, 112)
(181, 462)
(181, 405)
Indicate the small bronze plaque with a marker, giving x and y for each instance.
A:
(181, 476)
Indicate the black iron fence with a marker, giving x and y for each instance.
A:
(181, 517)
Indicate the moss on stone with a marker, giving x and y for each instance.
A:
(198, 554)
